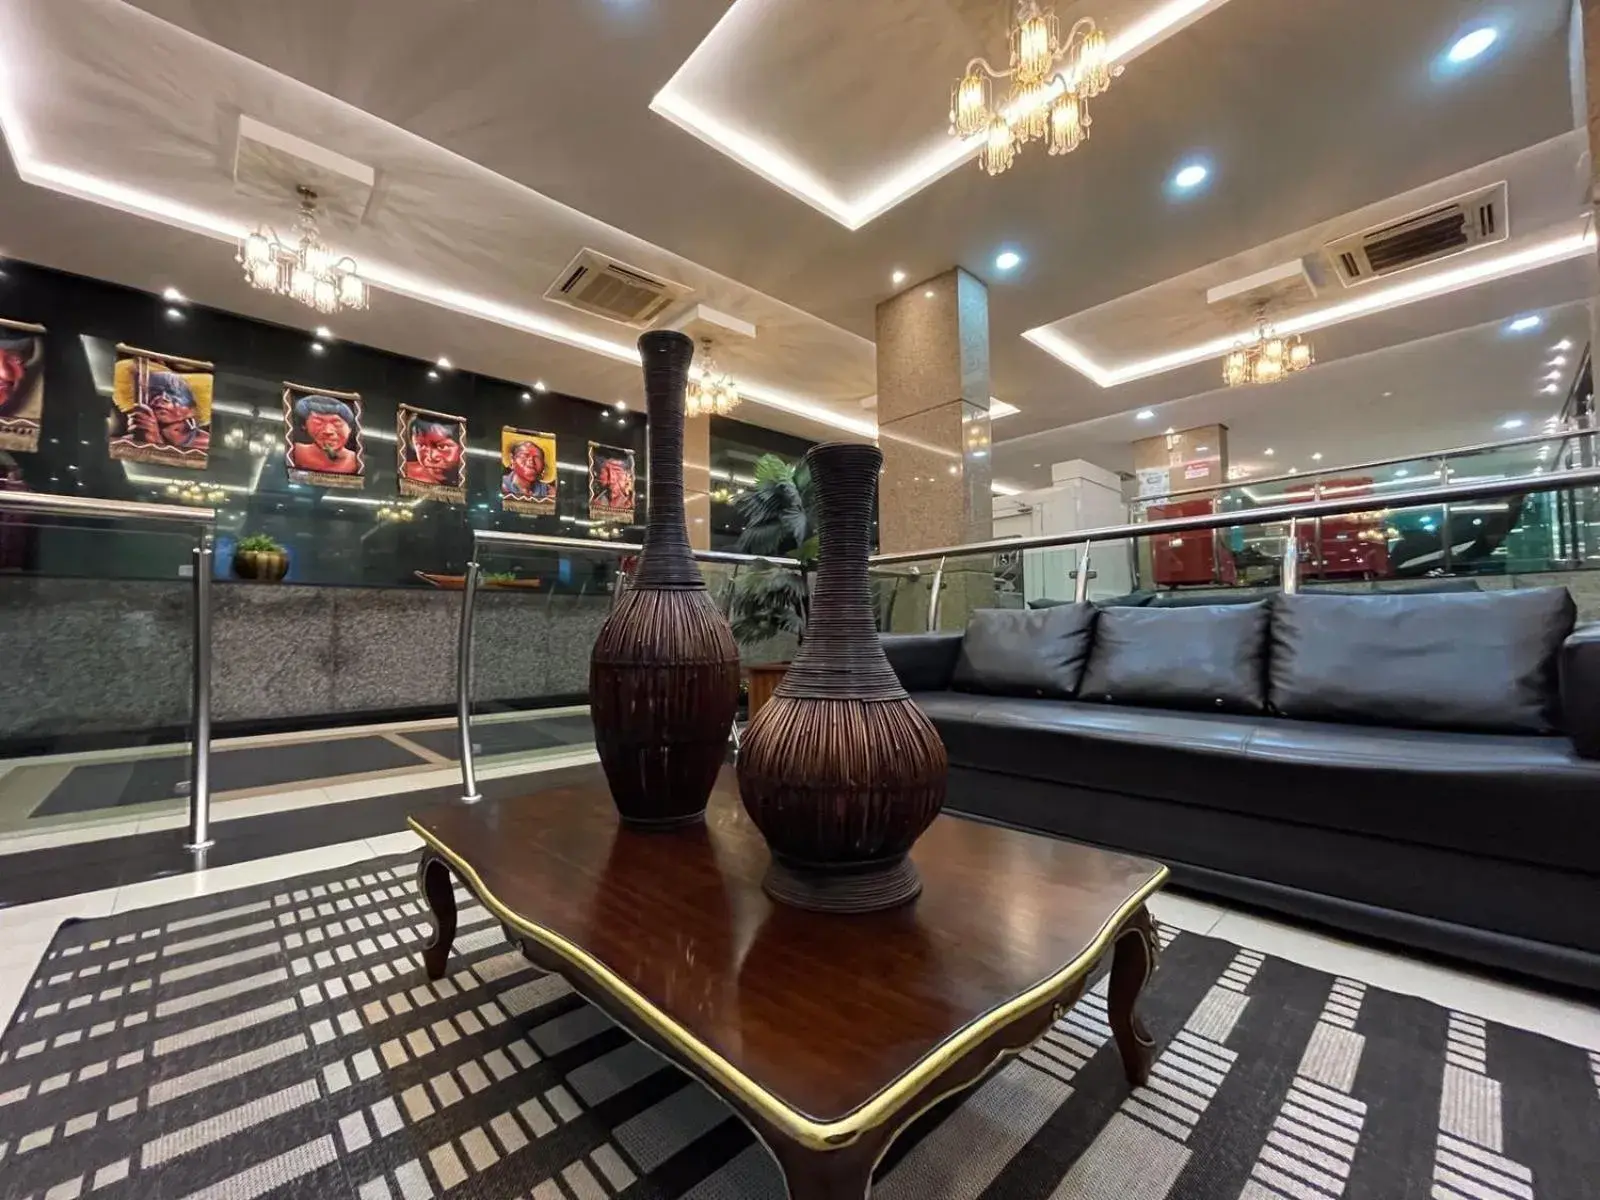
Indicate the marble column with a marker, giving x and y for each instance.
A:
(933, 428)
(697, 480)
(933, 414)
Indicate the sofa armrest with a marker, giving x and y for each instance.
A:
(923, 661)
(1580, 690)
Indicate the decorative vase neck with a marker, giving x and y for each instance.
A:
(667, 560)
(841, 657)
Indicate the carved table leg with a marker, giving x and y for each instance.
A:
(433, 878)
(843, 1174)
(1135, 958)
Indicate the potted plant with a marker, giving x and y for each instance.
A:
(259, 557)
(770, 601)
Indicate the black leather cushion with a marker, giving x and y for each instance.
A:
(923, 661)
(1209, 658)
(1472, 661)
(1017, 652)
(1580, 690)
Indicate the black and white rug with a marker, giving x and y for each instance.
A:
(283, 1041)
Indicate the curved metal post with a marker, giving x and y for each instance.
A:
(1080, 591)
(200, 716)
(469, 776)
(1291, 559)
(933, 598)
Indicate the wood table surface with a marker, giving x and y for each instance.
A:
(820, 1012)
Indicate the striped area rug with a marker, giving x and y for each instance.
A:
(283, 1041)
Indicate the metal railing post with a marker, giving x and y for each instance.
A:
(1446, 540)
(1291, 559)
(933, 598)
(200, 749)
(1080, 590)
(469, 775)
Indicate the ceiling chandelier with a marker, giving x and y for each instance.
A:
(1267, 357)
(712, 391)
(304, 269)
(1052, 81)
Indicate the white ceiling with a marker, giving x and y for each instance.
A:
(506, 135)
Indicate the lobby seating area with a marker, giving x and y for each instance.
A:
(1421, 769)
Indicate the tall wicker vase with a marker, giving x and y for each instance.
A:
(664, 675)
(840, 771)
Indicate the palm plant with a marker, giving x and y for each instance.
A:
(780, 521)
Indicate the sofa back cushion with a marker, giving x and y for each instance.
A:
(1204, 657)
(1021, 652)
(1483, 661)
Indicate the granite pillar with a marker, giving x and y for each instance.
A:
(933, 427)
(697, 480)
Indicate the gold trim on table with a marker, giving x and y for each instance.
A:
(824, 1135)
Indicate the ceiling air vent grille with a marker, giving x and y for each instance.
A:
(1477, 219)
(594, 283)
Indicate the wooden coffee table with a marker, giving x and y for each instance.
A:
(827, 1034)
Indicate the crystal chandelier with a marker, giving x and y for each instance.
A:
(712, 391)
(1266, 358)
(305, 269)
(1052, 81)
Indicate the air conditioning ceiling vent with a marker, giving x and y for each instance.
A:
(1465, 223)
(595, 283)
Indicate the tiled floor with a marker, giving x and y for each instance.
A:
(26, 931)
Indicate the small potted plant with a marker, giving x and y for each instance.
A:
(769, 601)
(260, 558)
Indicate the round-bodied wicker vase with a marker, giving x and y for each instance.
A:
(840, 771)
(664, 674)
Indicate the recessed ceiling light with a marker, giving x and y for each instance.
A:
(1202, 449)
(444, 364)
(1317, 457)
(897, 278)
(174, 314)
(1524, 324)
(1469, 46)
(1144, 414)
(173, 296)
(1169, 431)
(1269, 452)
(432, 374)
(317, 348)
(1553, 377)
(928, 295)
(540, 386)
(1294, 470)
(1550, 389)
(1401, 473)
(324, 332)
(1559, 360)
(1562, 345)
(527, 396)
(1190, 176)
(1386, 395)
(1006, 259)
(622, 406)
(1512, 423)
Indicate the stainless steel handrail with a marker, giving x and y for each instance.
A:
(1311, 477)
(1265, 515)
(549, 541)
(47, 504)
(91, 506)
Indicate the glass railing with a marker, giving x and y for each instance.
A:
(123, 669)
(1492, 531)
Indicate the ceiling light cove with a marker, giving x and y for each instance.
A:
(1471, 45)
(1483, 268)
(909, 168)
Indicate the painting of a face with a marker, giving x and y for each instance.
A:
(437, 450)
(12, 369)
(169, 398)
(328, 430)
(527, 460)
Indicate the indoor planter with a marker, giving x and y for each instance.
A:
(664, 673)
(841, 772)
(260, 558)
(769, 601)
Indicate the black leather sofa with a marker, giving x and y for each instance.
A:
(1423, 768)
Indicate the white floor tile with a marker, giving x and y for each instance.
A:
(72, 835)
(238, 875)
(1185, 912)
(404, 842)
(21, 961)
(1565, 1020)
(24, 922)
(392, 784)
